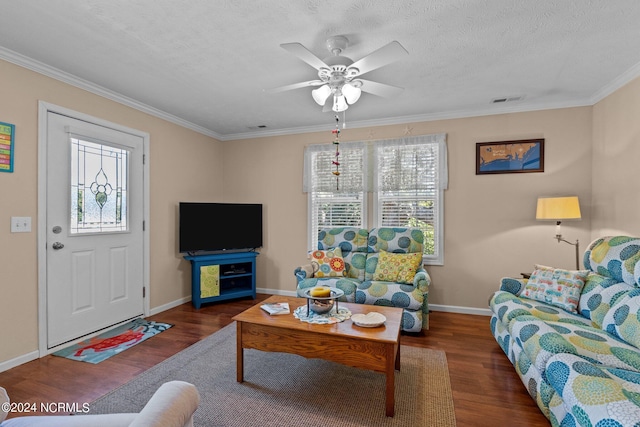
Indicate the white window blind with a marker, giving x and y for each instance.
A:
(334, 203)
(410, 176)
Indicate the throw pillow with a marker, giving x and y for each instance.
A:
(398, 268)
(560, 288)
(327, 263)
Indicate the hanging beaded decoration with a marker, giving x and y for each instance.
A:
(336, 162)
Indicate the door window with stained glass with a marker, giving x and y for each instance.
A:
(99, 175)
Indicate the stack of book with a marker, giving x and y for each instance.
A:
(276, 308)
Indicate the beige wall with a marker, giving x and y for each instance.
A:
(490, 230)
(616, 158)
(184, 165)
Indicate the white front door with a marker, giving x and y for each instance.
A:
(94, 227)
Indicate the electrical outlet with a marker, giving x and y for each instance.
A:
(21, 224)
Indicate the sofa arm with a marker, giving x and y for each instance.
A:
(513, 285)
(422, 280)
(173, 404)
(303, 272)
(102, 420)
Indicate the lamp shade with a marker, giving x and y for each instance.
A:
(339, 103)
(351, 92)
(321, 94)
(558, 208)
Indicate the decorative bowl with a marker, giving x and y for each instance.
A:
(322, 305)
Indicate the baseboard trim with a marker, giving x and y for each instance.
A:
(172, 304)
(8, 364)
(432, 307)
(460, 310)
(276, 292)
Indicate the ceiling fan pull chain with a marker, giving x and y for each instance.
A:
(336, 142)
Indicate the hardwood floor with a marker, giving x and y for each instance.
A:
(486, 388)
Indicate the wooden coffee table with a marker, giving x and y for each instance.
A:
(376, 349)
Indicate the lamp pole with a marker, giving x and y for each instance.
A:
(576, 244)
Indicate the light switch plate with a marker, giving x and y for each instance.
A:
(21, 224)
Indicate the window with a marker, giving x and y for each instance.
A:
(99, 177)
(335, 201)
(407, 176)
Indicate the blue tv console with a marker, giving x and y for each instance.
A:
(236, 276)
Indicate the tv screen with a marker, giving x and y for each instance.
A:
(214, 227)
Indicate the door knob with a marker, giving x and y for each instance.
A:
(57, 245)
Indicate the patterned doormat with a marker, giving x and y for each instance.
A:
(101, 347)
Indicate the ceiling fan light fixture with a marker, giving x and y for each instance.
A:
(351, 93)
(339, 73)
(321, 94)
(339, 103)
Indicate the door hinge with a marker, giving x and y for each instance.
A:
(144, 159)
(144, 292)
(144, 225)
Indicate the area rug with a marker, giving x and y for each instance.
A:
(288, 390)
(103, 346)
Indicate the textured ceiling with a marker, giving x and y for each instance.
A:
(207, 63)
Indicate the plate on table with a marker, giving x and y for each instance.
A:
(369, 320)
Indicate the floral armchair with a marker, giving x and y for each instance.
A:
(371, 258)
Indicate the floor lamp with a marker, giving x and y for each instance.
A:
(559, 209)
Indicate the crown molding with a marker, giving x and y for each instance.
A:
(626, 77)
(49, 71)
(461, 114)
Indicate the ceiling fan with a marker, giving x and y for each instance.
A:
(340, 76)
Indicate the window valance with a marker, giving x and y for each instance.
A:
(411, 163)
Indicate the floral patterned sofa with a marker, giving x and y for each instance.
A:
(582, 368)
(366, 255)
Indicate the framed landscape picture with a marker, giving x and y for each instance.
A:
(525, 155)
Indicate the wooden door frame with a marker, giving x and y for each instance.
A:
(43, 109)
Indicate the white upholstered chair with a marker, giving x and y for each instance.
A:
(172, 405)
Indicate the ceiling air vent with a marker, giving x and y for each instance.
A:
(257, 127)
(507, 99)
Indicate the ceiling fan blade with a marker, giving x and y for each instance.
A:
(380, 89)
(309, 83)
(303, 53)
(385, 55)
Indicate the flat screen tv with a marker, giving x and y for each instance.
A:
(214, 227)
